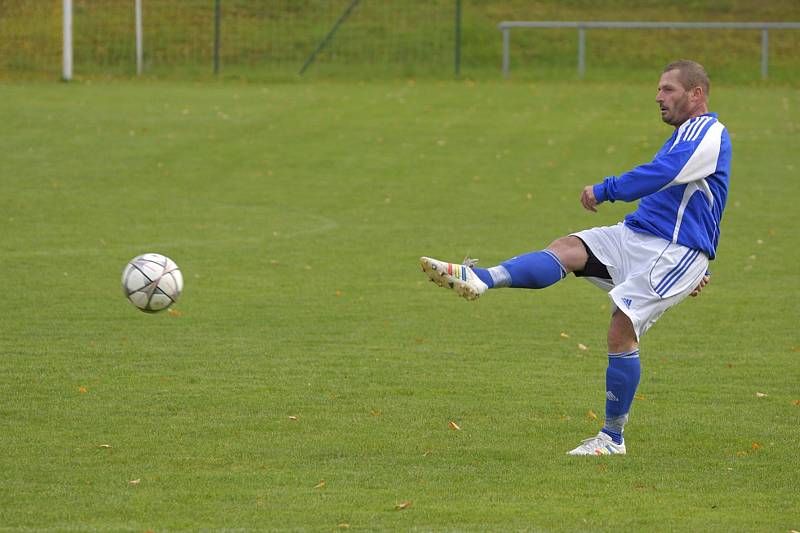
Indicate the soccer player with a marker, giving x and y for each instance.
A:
(649, 262)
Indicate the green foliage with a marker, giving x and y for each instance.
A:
(270, 40)
(297, 213)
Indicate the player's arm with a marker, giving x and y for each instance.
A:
(644, 179)
(686, 161)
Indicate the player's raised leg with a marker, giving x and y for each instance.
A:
(535, 270)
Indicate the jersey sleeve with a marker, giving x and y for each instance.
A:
(689, 159)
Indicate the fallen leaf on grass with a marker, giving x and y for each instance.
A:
(796, 402)
(403, 505)
(761, 395)
(564, 335)
(175, 313)
(344, 525)
(107, 446)
(755, 446)
(455, 427)
(320, 484)
(639, 397)
(582, 347)
(292, 417)
(135, 481)
(591, 414)
(375, 412)
(83, 390)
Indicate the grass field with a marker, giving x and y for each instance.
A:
(307, 378)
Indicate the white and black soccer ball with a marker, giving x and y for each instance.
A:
(152, 282)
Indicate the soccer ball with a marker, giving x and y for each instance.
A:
(152, 282)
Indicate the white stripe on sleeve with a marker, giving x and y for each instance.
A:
(703, 161)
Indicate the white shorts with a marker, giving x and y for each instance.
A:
(648, 274)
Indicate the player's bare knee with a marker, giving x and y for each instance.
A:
(570, 251)
(621, 335)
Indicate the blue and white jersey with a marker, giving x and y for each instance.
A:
(683, 190)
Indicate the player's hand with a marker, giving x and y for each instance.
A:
(588, 200)
(703, 282)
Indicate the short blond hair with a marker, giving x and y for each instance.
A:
(691, 74)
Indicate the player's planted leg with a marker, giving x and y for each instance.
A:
(622, 379)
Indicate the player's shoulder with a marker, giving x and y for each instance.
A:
(695, 129)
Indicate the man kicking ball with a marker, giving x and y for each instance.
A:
(649, 262)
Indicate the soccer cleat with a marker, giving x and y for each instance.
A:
(460, 278)
(602, 444)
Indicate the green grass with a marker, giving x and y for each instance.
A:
(297, 213)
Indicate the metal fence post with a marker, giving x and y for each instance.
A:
(458, 38)
(217, 27)
(139, 40)
(764, 52)
(66, 52)
(506, 39)
(581, 51)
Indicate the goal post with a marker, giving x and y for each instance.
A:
(67, 39)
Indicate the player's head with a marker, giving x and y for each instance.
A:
(683, 92)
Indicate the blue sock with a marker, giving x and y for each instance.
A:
(622, 378)
(484, 275)
(535, 270)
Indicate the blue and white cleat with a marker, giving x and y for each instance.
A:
(602, 444)
(460, 278)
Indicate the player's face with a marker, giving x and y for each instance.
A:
(673, 99)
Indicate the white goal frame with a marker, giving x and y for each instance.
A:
(67, 54)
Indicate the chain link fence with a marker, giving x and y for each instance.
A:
(267, 38)
(274, 39)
